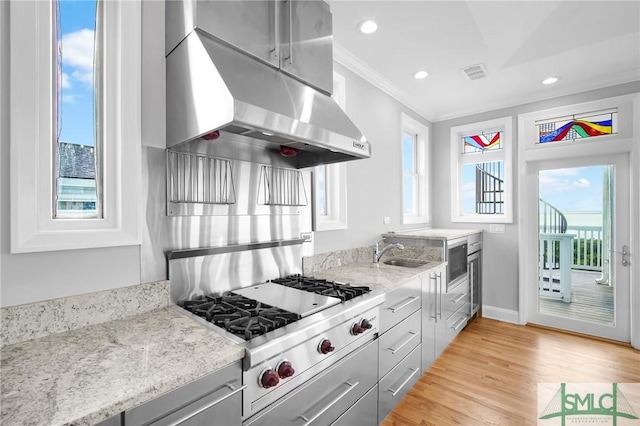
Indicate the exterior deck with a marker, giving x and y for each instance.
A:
(589, 301)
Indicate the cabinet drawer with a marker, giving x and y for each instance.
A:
(400, 303)
(324, 399)
(455, 298)
(398, 382)
(215, 396)
(457, 321)
(397, 342)
(362, 413)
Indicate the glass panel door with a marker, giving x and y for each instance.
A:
(581, 283)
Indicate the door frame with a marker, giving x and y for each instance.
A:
(626, 141)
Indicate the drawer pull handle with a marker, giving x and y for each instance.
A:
(351, 387)
(413, 335)
(460, 323)
(395, 392)
(209, 405)
(459, 298)
(404, 305)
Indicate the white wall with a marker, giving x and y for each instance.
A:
(500, 251)
(373, 185)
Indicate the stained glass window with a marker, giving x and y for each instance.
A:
(485, 141)
(577, 126)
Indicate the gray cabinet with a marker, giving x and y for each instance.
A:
(444, 313)
(474, 267)
(306, 50)
(295, 36)
(397, 383)
(400, 337)
(213, 399)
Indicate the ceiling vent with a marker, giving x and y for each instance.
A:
(475, 72)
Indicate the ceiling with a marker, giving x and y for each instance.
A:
(588, 44)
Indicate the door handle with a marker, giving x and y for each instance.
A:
(625, 254)
(334, 401)
(290, 58)
(276, 29)
(410, 300)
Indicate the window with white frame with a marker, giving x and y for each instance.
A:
(481, 172)
(331, 180)
(75, 174)
(415, 185)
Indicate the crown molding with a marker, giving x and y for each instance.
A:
(353, 63)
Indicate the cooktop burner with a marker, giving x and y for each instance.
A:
(250, 312)
(242, 316)
(321, 286)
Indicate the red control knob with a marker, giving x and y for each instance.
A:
(325, 346)
(285, 369)
(357, 329)
(268, 378)
(365, 324)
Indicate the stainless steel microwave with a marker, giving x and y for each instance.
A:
(456, 261)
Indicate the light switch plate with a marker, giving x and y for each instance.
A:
(497, 228)
(386, 220)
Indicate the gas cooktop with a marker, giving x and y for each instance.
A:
(253, 311)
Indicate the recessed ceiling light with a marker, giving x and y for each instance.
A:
(368, 27)
(420, 75)
(550, 80)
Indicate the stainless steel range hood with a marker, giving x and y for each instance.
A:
(256, 109)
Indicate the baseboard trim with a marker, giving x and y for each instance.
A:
(500, 314)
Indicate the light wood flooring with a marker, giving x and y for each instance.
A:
(589, 301)
(488, 375)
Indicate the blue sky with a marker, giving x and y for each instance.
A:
(572, 189)
(77, 23)
(569, 190)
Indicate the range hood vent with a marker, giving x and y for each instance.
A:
(217, 96)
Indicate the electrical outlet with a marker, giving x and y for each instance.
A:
(386, 220)
(307, 236)
(497, 228)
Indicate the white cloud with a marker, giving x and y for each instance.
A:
(65, 81)
(582, 183)
(77, 58)
(70, 99)
(83, 76)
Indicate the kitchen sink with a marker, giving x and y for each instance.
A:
(407, 263)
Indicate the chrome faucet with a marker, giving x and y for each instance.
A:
(377, 253)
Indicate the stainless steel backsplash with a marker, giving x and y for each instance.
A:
(201, 225)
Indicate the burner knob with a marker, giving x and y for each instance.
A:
(365, 324)
(285, 369)
(357, 329)
(325, 346)
(268, 378)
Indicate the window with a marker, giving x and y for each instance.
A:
(481, 172)
(577, 126)
(87, 127)
(415, 187)
(76, 54)
(331, 180)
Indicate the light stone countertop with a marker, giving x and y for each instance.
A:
(87, 375)
(376, 276)
(432, 233)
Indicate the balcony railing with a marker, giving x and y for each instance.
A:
(587, 247)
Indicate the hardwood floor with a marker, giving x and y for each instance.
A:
(488, 375)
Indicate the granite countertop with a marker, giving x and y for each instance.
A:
(87, 375)
(433, 233)
(376, 276)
